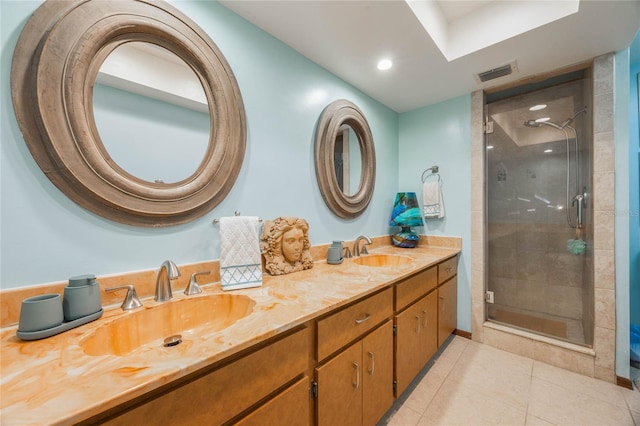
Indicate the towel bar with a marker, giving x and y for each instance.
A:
(236, 213)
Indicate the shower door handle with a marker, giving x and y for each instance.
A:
(578, 199)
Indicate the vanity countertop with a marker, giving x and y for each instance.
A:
(53, 381)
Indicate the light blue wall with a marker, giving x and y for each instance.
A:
(634, 194)
(441, 135)
(45, 237)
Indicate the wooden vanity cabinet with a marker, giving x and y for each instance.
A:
(264, 386)
(355, 386)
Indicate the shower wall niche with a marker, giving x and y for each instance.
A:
(540, 259)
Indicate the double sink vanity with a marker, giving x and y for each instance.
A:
(335, 344)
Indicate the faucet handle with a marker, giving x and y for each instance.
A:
(193, 287)
(131, 300)
(347, 253)
(364, 248)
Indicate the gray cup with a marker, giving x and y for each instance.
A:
(80, 301)
(40, 313)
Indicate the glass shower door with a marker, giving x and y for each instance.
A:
(538, 262)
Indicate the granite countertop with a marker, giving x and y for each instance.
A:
(52, 381)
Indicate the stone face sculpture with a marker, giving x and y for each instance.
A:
(285, 245)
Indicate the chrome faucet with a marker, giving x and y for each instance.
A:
(168, 271)
(356, 243)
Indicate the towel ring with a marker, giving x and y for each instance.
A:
(433, 171)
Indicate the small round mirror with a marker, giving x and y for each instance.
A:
(345, 159)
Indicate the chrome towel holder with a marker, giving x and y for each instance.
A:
(433, 171)
(236, 213)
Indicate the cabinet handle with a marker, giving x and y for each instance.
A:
(356, 369)
(424, 319)
(373, 363)
(363, 319)
(418, 323)
(449, 269)
(444, 303)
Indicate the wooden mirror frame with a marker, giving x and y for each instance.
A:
(55, 64)
(336, 114)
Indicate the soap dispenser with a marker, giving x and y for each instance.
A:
(81, 297)
(334, 255)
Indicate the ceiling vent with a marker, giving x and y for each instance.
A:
(494, 73)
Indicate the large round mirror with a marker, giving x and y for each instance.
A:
(55, 70)
(345, 159)
(151, 113)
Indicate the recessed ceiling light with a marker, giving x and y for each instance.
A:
(537, 107)
(546, 151)
(543, 119)
(385, 64)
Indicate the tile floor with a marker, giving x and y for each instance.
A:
(468, 383)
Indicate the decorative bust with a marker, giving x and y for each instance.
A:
(285, 245)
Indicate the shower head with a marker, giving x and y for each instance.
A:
(533, 123)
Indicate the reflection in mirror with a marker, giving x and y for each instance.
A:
(347, 159)
(151, 113)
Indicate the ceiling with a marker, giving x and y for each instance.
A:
(348, 38)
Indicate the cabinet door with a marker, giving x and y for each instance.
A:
(447, 309)
(416, 339)
(429, 316)
(290, 407)
(377, 360)
(340, 388)
(407, 346)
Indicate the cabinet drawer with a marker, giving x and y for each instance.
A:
(224, 393)
(340, 328)
(447, 269)
(414, 287)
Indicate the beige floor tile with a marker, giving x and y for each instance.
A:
(458, 404)
(536, 421)
(508, 385)
(636, 417)
(405, 416)
(632, 397)
(488, 357)
(575, 382)
(420, 397)
(562, 406)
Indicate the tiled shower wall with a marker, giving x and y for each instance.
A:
(598, 362)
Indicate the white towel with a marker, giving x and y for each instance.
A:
(432, 205)
(240, 261)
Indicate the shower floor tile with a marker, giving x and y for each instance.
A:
(468, 383)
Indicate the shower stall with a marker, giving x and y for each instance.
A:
(539, 228)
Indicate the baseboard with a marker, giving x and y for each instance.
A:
(624, 382)
(465, 334)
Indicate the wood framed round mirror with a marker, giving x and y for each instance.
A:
(331, 125)
(55, 64)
